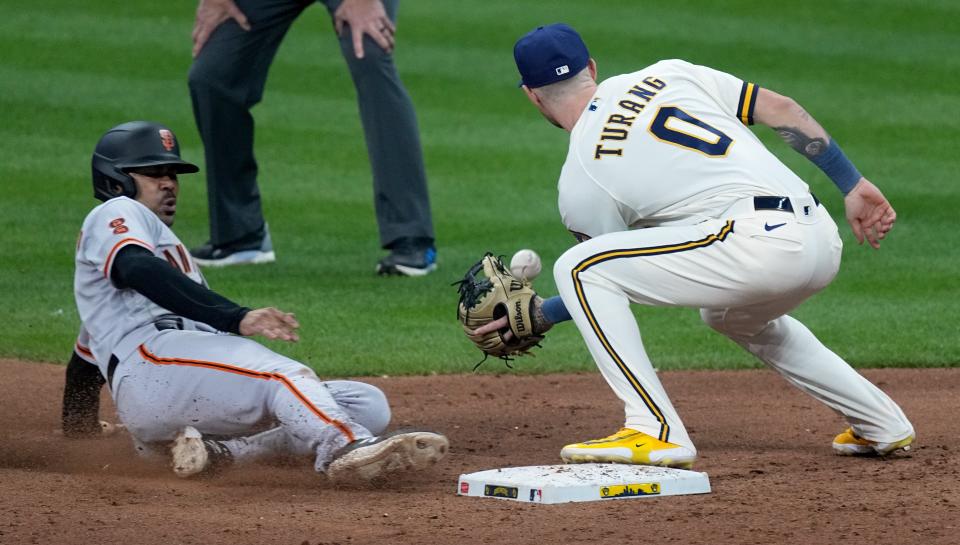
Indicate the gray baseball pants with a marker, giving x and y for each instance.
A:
(227, 79)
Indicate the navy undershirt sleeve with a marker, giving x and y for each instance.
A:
(554, 310)
(138, 269)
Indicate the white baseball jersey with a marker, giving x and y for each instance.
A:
(668, 144)
(109, 314)
(659, 176)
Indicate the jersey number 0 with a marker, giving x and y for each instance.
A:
(712, 147)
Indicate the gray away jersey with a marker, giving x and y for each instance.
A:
(107, 313)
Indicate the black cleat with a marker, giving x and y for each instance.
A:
(409, 257)
(257, 248)
(375, 458)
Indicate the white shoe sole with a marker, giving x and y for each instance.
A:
(413, 451)
(873, 449)
(249, 257)
(188, 452)
(682, 461)
(851, 449)
(676, 457)
(403, 270)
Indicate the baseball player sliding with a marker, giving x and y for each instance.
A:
(174, 353)
(677, 203)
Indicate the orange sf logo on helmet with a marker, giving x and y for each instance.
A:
(166, 138)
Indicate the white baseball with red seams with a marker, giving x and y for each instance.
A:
(525, 264)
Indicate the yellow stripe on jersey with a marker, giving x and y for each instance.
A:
(598, 331)
(748, 101)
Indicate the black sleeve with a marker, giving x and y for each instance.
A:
(136, 268)
(81, 398)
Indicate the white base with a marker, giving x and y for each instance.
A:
(581, 482)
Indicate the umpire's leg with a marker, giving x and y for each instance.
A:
(393, 140)
(226, 80)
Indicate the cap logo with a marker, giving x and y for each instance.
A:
(166, 138)
(561, 70)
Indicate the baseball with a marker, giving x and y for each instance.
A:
(525, 264)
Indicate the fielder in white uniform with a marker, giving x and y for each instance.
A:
(173, 352)
(677, 203)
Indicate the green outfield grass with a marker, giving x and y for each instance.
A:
(882, 76)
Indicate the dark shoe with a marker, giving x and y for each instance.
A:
(375, 458)
(192, 454)
(258, 249)
(409, 257)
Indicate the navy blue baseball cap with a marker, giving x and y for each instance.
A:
(549, 54)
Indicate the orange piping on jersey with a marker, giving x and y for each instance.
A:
(636, 252)
(117, 246)
(147, 355)
(171, 259)
(184, 258)
(84, 350)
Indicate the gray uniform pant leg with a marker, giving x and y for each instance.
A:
(400, 196)
(365, 404)
(226, 80)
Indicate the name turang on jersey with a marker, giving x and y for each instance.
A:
(684, 122)
(618, 126)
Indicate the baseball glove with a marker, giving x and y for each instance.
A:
(489, 292)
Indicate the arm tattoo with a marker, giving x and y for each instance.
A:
(541, 324)
(807, 146)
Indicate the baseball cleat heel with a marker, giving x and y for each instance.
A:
(375, 458)
(193, 455)
(409, 257)
(240, 257)
(254, 250)
(629, 446)
(849, 443)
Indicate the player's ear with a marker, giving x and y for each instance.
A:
(592, 67)
(532, 97)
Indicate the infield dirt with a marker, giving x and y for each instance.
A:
(765, 445)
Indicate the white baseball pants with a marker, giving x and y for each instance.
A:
(744, 273)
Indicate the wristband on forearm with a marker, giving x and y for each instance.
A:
(554, 310)
(834, 163)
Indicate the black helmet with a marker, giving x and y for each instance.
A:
(129, 146)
